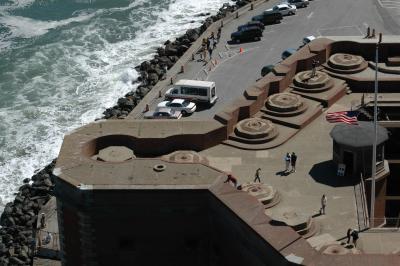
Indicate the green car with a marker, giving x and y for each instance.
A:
(266, 69)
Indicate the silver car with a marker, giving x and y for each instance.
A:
(298, 3)
(163, 113)
(284, 9)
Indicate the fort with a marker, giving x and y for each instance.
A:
(129, 189)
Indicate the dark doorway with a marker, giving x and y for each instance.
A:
(348, 161)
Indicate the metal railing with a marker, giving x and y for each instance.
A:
(361, 204)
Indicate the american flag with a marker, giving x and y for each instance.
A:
(348, 117)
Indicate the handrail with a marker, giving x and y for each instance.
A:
(364, 202)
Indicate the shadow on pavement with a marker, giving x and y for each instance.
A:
(325, 173)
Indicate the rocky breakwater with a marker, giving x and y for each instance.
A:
(150, 72)
(18, 220)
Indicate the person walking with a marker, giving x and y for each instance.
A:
(219, 34)
(293, 159)
(214, 40)
(354, 234)
(287, 162)
(257, 176)
(204, 50)
(210, 46)
(323, 204)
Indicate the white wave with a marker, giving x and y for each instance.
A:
(14, 4)
(24, 27)
(69, 83)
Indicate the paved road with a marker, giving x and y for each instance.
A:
(235, 72)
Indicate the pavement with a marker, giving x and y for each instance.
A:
(235, 71)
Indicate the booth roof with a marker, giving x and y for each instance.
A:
(361, 135)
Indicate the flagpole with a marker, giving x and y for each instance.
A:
(373, 176)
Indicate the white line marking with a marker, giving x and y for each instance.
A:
(309, 16)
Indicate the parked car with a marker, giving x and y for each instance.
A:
(181, 105)
(266, 69)
(268, 18)
(288, 52)
(284, 9)
(163, 113)
(248, 33)
(308, 39)
(298, 3)
(252, 23)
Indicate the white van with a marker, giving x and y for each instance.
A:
(193, 90)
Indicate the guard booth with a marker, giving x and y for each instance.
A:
(352, 147)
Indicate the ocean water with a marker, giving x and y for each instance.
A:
(63, 62)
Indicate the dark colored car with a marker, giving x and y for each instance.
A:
(268, 18)
(288, 52)
(266, 69)
(252, 23)
(248, 33)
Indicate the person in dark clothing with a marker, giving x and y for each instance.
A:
(354, 234)
(230, 178)
(257, 175)
(349, 231)
(210, 46)
(219, 34)
(293, 160)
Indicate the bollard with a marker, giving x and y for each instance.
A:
(368, 32)
(172, 81)
(373, 33)
(237, 14)
(252, 6)
(182, 69)
(159, 94)
(380, 38)
(193, 57)
(222, 23)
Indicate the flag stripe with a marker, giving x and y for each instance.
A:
(348, 117)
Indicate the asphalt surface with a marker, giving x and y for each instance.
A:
(236, 71)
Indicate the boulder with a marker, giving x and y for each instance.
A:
(171, 50)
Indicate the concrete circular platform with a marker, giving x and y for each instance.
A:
(285, 104)
(264, 193)
(185, 156)
(256, 128)
(304, 81)
(115, 154)
(346, 63)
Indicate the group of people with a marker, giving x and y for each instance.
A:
(352, 233)
(290, 160)
(209, 44)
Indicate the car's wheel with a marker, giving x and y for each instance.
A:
(184, 113)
